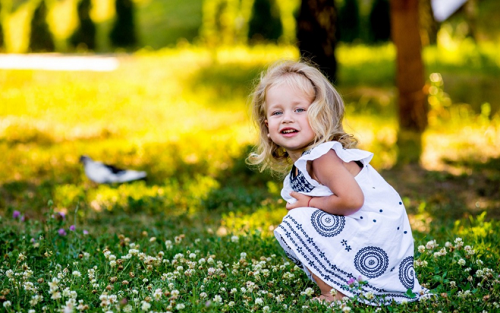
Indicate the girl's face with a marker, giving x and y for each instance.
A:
(286, 119)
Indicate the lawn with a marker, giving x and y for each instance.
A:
(197, 235)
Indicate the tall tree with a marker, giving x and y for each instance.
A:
(316, 28)
(123, 32)
(85, 33)
(429, 27)
(412, 100)
(265, 23)
(40, 36)
(380, 21)
(349, 22)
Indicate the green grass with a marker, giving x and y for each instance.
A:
(182, 115)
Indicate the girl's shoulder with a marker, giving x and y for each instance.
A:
(346, 155)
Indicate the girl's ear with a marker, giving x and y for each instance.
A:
(267, 124)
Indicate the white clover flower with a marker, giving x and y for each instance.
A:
(29, 286)
(112, 263)
(431, 244)
(421, 249)
(235, 238)
(168, 244)
(128, 308)
(259, 301)
(202, 261)
(211, 271)
(145, 306)
(7, 304)
(77, 274)
(192, 256)
(266, 309)
(217, 299)
(288, 276)
(369, 295)
(210, 260)
(233, 291)
(231, 303)
(178, 256)
(31, 311)
(308, 292)
(347, 309)
(280, 298)
(152, 239)
(66, 292)
(180, 306)
(157, 294)
(479, 262)
(453, 284)
(179, 268)
(53, 285)
(9, 274)
(243, 255)
(56, 295)
(175, 293)
(203, 295)
(112, 257)
(469, 250)
(461, 262)
(243, 289)
(133, 251)
(36, 299)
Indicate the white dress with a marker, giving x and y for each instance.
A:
(375, 244)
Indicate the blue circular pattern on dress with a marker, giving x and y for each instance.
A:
(327, 225)
(371, 261)
(407, 273)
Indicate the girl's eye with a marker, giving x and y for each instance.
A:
(300, 110)
(276, 113)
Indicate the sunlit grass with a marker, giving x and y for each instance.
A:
(181, 111)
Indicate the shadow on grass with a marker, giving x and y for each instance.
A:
(445, 196)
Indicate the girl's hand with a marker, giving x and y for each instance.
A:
(302, 201)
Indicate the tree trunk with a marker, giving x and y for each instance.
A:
(316, 34)
(412, 100)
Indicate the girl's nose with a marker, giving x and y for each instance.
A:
(287, 117)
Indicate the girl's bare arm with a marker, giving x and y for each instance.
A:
(331, 171)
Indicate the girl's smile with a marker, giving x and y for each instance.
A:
(287, 119)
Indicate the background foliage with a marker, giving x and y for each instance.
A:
(181, 114)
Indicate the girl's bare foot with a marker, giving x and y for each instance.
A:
(324, 298)
(326, 291)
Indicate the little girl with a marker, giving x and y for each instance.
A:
(346, 227)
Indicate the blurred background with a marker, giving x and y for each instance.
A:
(162, 86)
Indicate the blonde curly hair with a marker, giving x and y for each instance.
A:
(325, 113)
